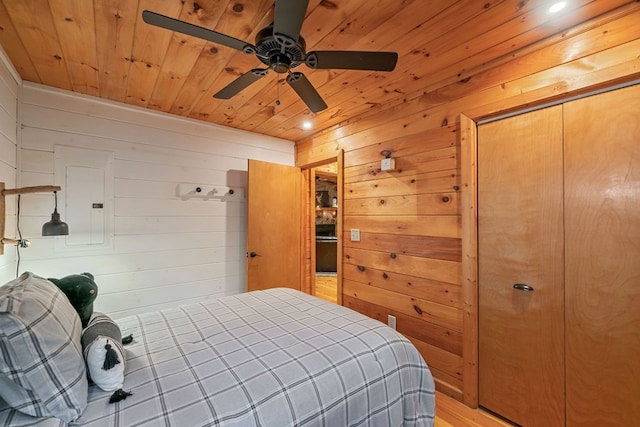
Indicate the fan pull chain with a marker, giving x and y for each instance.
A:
(277, 91)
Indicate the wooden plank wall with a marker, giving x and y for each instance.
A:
(166, 250)
(409, 261)
(9, 86)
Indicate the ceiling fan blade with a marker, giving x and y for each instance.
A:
(241, 83)
(287, 21)
(172, 24)
(352, 60)
(306, 91)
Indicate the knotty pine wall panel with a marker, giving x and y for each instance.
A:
(413, 271)
(408, 262)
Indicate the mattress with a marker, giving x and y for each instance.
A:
(277, 357)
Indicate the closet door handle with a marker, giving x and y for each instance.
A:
(523, 287)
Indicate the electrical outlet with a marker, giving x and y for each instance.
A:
(355, 234)
(391, 321)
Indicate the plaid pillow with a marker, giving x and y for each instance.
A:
(42, 369)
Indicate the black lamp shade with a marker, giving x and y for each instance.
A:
(55, 227)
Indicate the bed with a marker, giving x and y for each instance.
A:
(277, 357)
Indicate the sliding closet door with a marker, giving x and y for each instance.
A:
(520, 270)
(602, 166)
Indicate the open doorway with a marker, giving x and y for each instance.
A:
(326, 231)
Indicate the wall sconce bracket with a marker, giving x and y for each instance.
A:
(3, 214)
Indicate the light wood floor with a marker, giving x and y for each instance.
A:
(451, 413)
(326, 288)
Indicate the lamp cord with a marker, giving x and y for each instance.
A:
(19, 237)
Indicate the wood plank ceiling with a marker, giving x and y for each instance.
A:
(103, 48)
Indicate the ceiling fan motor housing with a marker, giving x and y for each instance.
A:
(279, 57)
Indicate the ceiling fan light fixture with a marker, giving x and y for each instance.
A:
(280, 63)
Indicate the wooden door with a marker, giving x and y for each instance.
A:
(274, 228)
(602, 179)
(520, 242)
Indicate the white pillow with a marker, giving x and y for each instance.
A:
(42, 370)
(101, 334)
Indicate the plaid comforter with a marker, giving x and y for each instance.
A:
(266, 358)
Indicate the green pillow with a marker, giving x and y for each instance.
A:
(82, 291)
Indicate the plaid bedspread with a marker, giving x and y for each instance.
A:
(266, 358)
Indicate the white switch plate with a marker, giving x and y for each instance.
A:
(355, 234)
(391, 321)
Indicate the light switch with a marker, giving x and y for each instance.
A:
(355, 234)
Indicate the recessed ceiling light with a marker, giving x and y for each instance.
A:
(307, 125)
(557, 7)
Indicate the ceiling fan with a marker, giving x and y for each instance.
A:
(281, 47)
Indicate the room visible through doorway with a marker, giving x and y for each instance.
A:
(326, 231)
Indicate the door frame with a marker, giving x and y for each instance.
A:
(308, 251)
(469, 230)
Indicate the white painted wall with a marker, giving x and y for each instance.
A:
(166, 250)
(9, 87)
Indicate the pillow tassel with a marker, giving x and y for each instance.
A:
(111, 358)
(119, 395)
(127, 340)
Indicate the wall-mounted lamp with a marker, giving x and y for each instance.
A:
(55, 227)
(388, 163)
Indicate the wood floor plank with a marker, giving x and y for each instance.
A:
(326, 288)
(451, 413)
